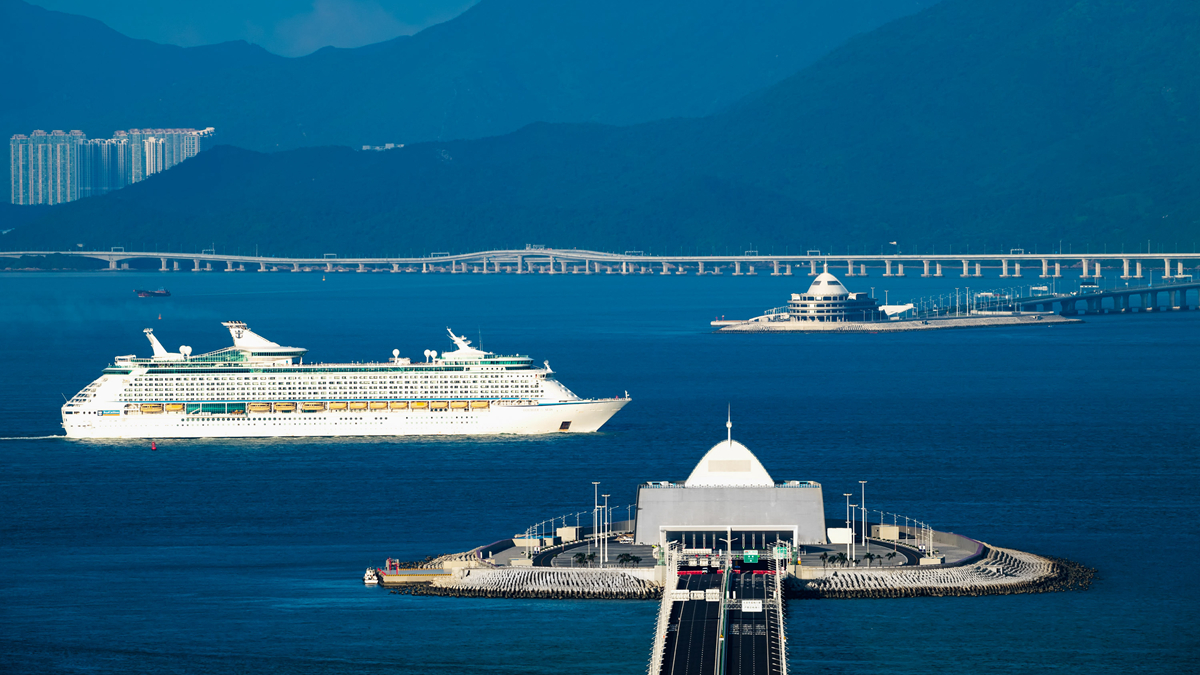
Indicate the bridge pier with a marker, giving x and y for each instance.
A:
(701, 271)
(1099, 272)
(978, 270)
(966, 270)
(776, 272)
(1084, 274)
(163, 268)
(939, 270)
(624, 267)
(1057, 270)
(1045, 269)
(295, 267)
(328, 267)
(850, 268)
(926, 272)
(665, 268)
(1180, 272)
(395, 267)
(900, 270)
(888, 268)
(1139, 270)
(788, 273)
(229, 266)
(1125, 268)
(812, 268)
(1004, 268)
(262, 267)
(196, 264)
(737, 268)
(175, 265)
(363, 268)
(1166, 268)
(112, 263)
(1017, 270)
(862, 270)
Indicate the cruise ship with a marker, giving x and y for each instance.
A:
(258, 388)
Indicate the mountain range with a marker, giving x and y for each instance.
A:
(973, 123)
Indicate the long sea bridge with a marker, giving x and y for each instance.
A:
(537, 259)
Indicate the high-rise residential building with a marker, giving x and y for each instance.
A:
(45, 167)
(61, 167)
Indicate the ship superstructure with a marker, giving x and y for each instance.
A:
(258, 388)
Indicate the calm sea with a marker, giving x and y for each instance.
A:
(216, 557)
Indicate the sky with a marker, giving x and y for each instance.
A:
(286, 27)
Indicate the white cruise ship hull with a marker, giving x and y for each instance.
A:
(579, 416)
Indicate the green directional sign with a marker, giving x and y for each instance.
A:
(750, 556)
(781, 553)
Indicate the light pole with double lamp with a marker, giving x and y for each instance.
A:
(847, 496)
(864, 510)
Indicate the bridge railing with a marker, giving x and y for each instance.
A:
(670, 581)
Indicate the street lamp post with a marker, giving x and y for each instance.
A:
(866, 543)
(595, 508)
(604, 542)
(847, 496)
(853, 527)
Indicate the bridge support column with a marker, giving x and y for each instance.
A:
(776, 272)
(262, 267)
(175, 265)
(1099, 272)
(295, 267)
(1084, 274)
(1004, 268)
(1125, 268)
(850, 268)
(887, 268)
(900, 270)
(520, 264)
(701, 269)
(1179, 273)
(788, 273)
(424, 267)
(624, 267)
(978, 269)
(1166, 268)
(1057, 270)
(1139, 270)
(328, 267)
(939, 270)
(163, 268)
(396, 268)
(926, 272)
(862, 270)
(112, 264)
(1045, 269)
(665, 268)
(812, 268)
(737, 268)
(229, 266)
(363, 268)
(1017, 270)
(966, 270)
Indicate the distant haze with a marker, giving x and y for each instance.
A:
(286, 27)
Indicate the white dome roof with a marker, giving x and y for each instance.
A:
(729, 464)
(827, 284)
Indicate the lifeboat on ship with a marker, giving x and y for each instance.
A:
(439, 405)
(379, 405)
(174, 407)
(479, 405)
(259, 407)
(286, 407)
(312, 406)
(150, 408)
(337, 405)
(398, 405)
(419, 405)
(459, 405)
(358, 405)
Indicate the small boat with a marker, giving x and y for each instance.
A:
(479, 405)
(285, 407)
(160, 293)
(398, 405)
(260, 407)
(439, 405)
(174, 407)
(371, 577)
(358, 405)
(312, 406)
(459, 405)
(151, 408)
(379, 405)
(418, 405)
(337, 405)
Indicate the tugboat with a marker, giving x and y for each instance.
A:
(160, 293)
(371, 578)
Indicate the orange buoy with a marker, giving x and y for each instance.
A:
(153, 446)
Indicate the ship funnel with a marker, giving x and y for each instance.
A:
(244, 337)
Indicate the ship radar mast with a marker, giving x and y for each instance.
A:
(464, 346)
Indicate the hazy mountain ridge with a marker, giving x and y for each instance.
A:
(981, 123)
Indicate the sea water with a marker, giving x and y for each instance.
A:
(217, 556)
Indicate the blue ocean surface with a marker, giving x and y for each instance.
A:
(214, 556)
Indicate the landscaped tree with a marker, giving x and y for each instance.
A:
(890, 555)
(824, 559)
(580, 558)
(623, 559)
(870, 558)
(634, 560)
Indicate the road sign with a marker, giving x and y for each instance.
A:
(750, 556)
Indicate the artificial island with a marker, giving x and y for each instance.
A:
(722, 552)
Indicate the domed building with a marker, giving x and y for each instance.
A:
(730, 496)
(828, 300)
